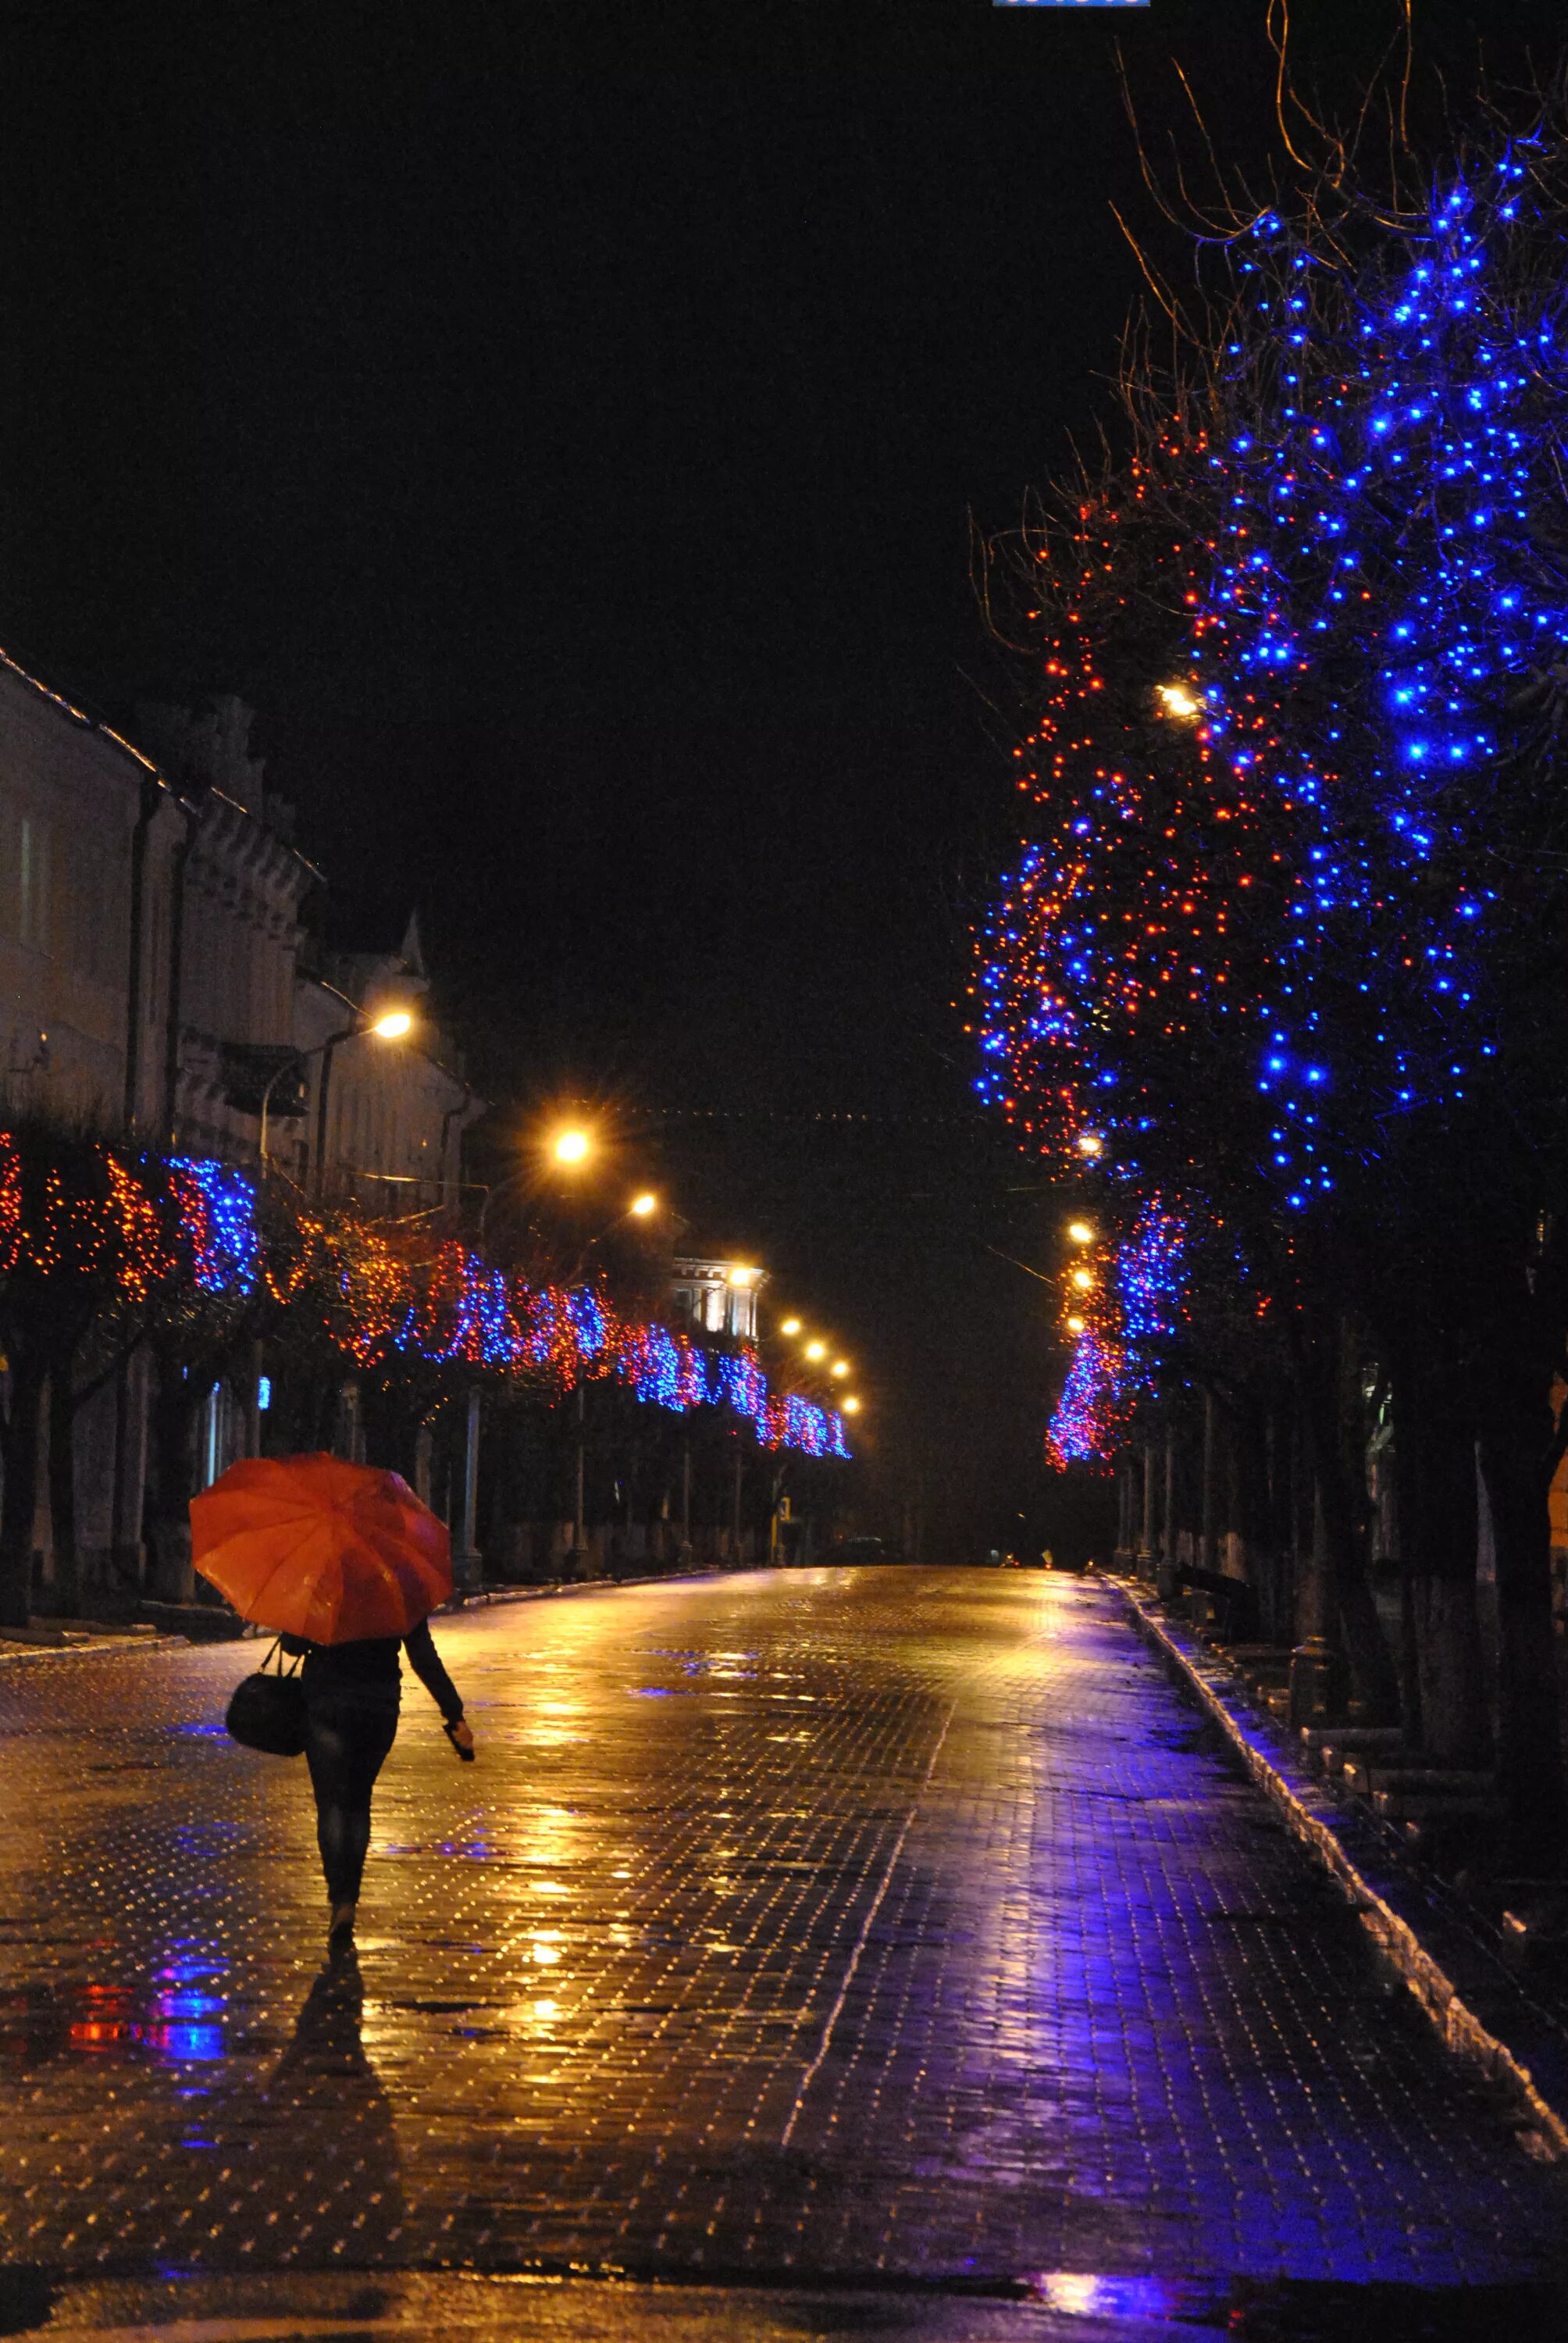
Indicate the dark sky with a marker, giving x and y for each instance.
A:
(562, 419)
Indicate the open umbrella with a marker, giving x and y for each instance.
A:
(312, 1546)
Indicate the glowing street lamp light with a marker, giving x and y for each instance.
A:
(1080, 1232)
(741, 1277)
(790, 1326)
(1075, 1325)
(852, 1406)
(571, 1146)
(391, 1025)
(1090, 1143)
(816, 1350)
(644, 1206)
(1180, 700)
(841, 1366)
(1083, 1281)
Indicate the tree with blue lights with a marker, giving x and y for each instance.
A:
(1284, 945)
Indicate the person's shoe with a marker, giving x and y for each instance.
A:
(340, 1935)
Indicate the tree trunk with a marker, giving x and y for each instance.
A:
(177, 1403)
(1530, 1729)
(19, 1448)
(1327, 1374)
(1434, 1461)
(67, 1596)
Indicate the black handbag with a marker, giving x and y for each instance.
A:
(268, 1711)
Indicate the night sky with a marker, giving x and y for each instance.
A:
(562, 422)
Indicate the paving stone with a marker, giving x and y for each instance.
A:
(822, 1924)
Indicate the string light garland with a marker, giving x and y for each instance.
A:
(1290, 849)
(1121, 1337)
(145, 1225)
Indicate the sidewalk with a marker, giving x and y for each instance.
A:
(1456, 1966)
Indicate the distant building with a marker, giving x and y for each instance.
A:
(714, 1296)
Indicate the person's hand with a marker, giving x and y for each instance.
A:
(461, 1737)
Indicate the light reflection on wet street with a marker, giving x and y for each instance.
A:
(815, 1924)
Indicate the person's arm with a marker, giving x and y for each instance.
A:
(426, 1663)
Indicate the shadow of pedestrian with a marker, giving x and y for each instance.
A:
(347, 2204)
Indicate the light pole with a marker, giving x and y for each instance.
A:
(390, 1026)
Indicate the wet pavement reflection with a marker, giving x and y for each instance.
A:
(866, 1925)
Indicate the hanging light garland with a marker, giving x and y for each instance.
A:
(146, 1223)
(1122, 1326)
(1287, 849)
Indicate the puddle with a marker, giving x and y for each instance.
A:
(1301, 2310)
(177, 2014)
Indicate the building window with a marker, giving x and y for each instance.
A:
(33, 884)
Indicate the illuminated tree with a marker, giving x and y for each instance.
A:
(1284, 946)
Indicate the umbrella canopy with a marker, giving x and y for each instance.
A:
(312, 1546)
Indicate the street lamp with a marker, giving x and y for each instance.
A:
(841, 1366)
(571, 1146)
(1080, 1232)
(392, 1025)
(816, 1350)
(790, 1326)
(1083, 1281)
(852, 1406)
(644, 1206)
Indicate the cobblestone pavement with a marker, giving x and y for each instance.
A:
(841, 1925)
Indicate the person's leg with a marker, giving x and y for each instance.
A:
(346, 1748)
(370, 1738)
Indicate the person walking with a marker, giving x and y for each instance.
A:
(352, 1696)
(345, 1564)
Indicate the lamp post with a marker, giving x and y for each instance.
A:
(390, 1026)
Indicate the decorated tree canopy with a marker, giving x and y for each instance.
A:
(1283, 929)
(182, 1234)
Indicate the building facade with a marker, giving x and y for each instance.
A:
(156, 982)
(713, 1296)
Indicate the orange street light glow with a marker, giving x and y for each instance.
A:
(1083, 1279)
(743, 1277)
(645, 1204)
(1089, 1143)
(841, 1366)
(816, 1350)
(1075, 1325)
(1080, 1232)
(392, 1024)
(790, 1326)
(1179, 700)
(571, 1146)
(851, 1407)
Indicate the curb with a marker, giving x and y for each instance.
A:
(1481, 2010)
(97, 1648)
(481, 1597)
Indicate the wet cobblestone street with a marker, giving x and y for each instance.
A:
(827, 1924)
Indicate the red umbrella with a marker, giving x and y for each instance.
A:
(312, 1546)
